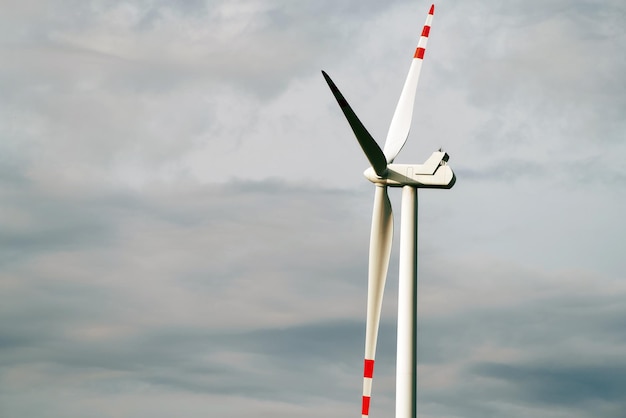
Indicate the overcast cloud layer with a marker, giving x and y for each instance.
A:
(184, 223)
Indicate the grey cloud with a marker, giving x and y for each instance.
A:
(505, 171)
(183, 232)
(570, 386)
(115, 340)
(36, 222)
(553, 350)
(82, 313)
(159, 46)
(546, 75)
(588, 171)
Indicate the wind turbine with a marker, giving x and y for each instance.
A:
(434, 173)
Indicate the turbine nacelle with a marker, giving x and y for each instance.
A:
(434, 173)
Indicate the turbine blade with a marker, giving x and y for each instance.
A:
(380, 251)
(371, 149)
(401, 121)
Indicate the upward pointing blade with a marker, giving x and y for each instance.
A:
(380, 250)
(401, 121)
(368, 144)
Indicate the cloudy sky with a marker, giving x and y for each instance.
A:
(184, 220)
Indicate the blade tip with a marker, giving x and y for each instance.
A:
(432, 9)
(328, 80)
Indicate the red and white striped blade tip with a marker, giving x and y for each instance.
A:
(421, 47)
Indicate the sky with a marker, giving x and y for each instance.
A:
(184, 222)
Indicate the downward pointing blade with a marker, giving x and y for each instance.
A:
(368, 144)
(380, 250)
(401, 121)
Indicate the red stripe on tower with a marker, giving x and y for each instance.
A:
(368, 368)
(365, 409)
(419, 53)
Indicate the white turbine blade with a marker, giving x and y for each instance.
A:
(380, 251)
(401, 121)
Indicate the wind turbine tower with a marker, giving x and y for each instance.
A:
(434, 173)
